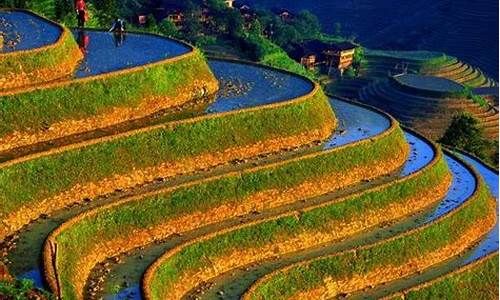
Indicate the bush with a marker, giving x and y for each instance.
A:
(22, 290)
(465, 132)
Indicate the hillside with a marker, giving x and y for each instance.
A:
(151, 172)
(458, 28)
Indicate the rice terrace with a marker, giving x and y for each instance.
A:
(220, 150)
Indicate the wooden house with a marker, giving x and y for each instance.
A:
(316, 53)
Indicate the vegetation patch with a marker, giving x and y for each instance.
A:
(22, 290)
(332, 274)
(29, 67)
(134, 221)
(297, 229)
(466, 133)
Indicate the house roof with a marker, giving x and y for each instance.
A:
(343, 46)
(318, 48)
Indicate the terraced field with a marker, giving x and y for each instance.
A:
(378, 65)
(268, 190)
(427, 103)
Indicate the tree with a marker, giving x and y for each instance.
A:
(107, 10)
(63, 8)
(307, 25)
(256, 27)
(151, 23)
(192, 26)
(285, 35)
(235, 23)
(465, 132)
(168, 28)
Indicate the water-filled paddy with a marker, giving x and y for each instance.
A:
(106, 52)
(355, 123)
(24, 31)
(429, 83)
(490, 242)
(243, 86)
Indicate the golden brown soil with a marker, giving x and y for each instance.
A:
(115, 116)
(333, 232)
(390, 272)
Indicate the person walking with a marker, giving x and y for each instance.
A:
(81, 12)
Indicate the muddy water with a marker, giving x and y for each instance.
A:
(24, 31)
(355, 123)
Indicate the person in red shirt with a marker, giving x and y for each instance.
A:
(80, 11)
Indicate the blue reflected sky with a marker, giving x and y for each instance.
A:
(243, 86)
(27, 31)
(105, 52)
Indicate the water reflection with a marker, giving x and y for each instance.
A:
(83, 40)
(108, 52)
(119, 38)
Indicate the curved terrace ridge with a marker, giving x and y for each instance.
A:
(304, 219)
(34, 50)
(255, 173)
(356, 123)
(468, 203)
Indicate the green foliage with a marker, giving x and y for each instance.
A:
(268, 53)
(13, 3)
(321, 219)
(307, 25)
(465, 132)
(167, 28)
(22, 290)
(467, 92)
(359, 56)
(398, 251)
(107, 10)
(481, 282)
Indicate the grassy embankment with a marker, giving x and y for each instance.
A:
(293, 228)
(28, 67)
(34, 184)
(133, 222)
(386, 260)
(36, 109)
(476, 281)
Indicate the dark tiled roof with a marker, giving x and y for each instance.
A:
(343, 46)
